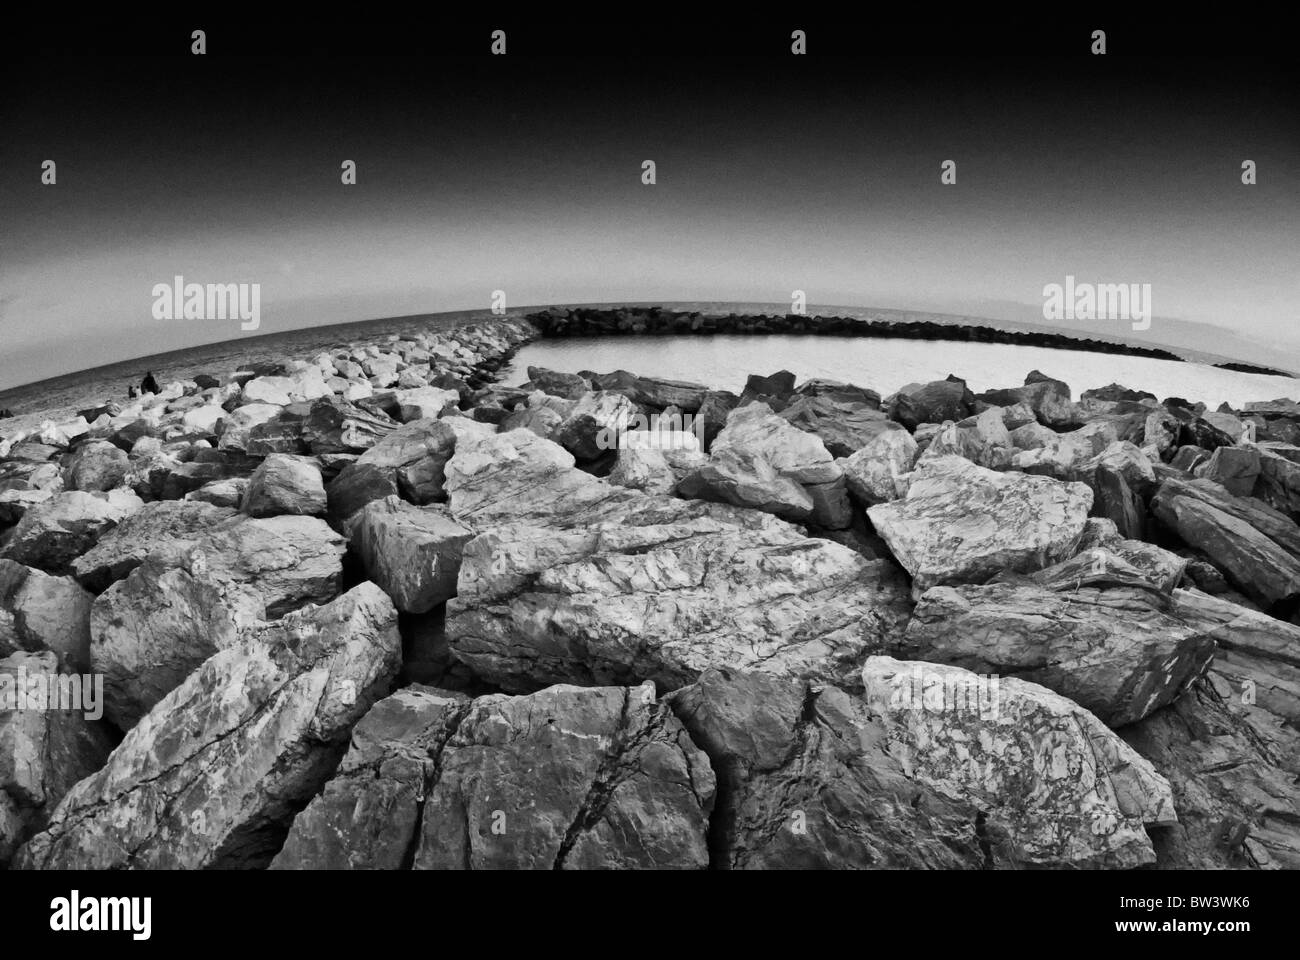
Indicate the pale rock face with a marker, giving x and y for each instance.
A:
(961, 523)
(1058, 787)
(52, 534)
(151, 630)
(284, 484)
(46, 613)
(97, 465)
(43, 752)
(239, 423)
(412, 552)
(211, 777)
(594, 424)
(425, 402)
(791, 753)
(876, 472)
(1100, 634)
(415, 455)
(439, 770)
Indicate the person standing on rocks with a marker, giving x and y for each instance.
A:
(148, 384)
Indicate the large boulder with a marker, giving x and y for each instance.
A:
(152, 629)
(1057, 787)
(162, 522)
(413, 457)
(565, 778)
(96, 465)
(285, 484)
(805, 781)
(43, 752)
(843, 425)
(1257, 548)
(43, 612)
(213, 775)
(935, 402)
(875, 472)
(961, 523)
(595, 424)
(412, 552)
(52, 534)
(1102, 635)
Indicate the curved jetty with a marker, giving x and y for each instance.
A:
(373, 608)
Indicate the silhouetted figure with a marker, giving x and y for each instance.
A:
(132, 392)
(148, 384)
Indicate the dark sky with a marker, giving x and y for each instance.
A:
(523, 173)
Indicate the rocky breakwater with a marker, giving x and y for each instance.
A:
(400, 616)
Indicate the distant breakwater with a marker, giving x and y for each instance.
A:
(657, 321)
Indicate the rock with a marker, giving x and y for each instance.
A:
(840, 392)
(151, 630)
(15, 503)
(1163, 569)
(122, 549)
(844, 426)
(1114, 499)
(43, 752)
(332, 425)
(46, 613)
(1114, 391)
(961, 523)
(289, 560)
(1228, 765)
(542, 421)
(1234, 468)
(585, 778)
(1257, 548)
(875, 472)
(213, 775)
(654, 470)
(788, 753)
(220, 493)
(413, 456)
(96, 465)
(425, 403)
(577, 580)
(595, 424)
(934, 402)
(744, 478)
(982, 439)
(1058, 789)
(1278, 482)
(412, 552)
(774, 391)
(713, 412)
(657, 392)
(358, 484)
(285, 485)
(1119, 649)
(237, 427)
(52, 534)
(568, 385)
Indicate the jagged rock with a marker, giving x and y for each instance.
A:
(1115, 645)
(844, 426)
(982, 439)
(213, 775)
(44, 612)
(935, 402)
(236, 429)
(413, 456)
(285, 484)
(221, 493)
(774, 391)
(15, 503)
(568, 385)
(358, 484)
(1058, 788)
(844, 392)
(96, 465)
(332, 425)
(565, 778)
(1278, 483)
(746, 479)
(425, 403)
(713, 412)
(1113, 391)
(1160, 567)
(1257, 548)
(805, 782)
(577, 580)
(594, 424)
(43, 752)
(52, 534)
(125, 547)
(1234, 468)
(542, 421)
(654, 470)
(412, 552)
(1114, 499)
(1233, 770)
(875, 472)
(151, 630)
(657, 392)
(961, 523)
